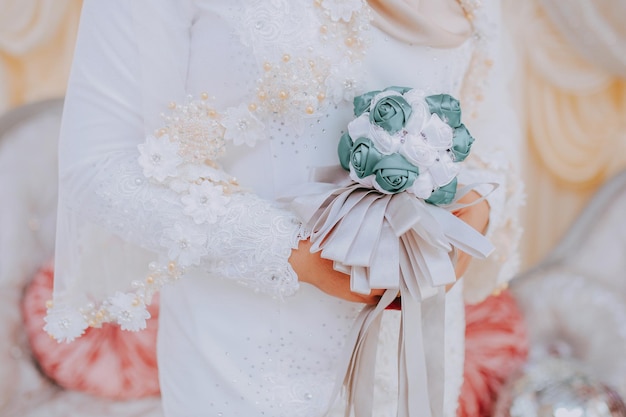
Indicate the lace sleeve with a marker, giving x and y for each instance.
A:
(239, 236)
(114, 211)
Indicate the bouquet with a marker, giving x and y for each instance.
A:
(403, 141)
(391, 227)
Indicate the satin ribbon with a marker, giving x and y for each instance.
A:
(395, 242)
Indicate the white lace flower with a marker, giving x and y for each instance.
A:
(187, 245)
(205, 203)
(64, 323)
(242, 126)
(361, 127)
(159, 157)
(341, 9)
(128, 311)
(343, 81)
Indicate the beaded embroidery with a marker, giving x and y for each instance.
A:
(183, 155)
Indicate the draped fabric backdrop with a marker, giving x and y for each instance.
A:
(572, 93)
(36, 45)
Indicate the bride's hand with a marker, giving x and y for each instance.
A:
(315, 270)
(476, 216)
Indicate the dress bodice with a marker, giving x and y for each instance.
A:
(304, 50)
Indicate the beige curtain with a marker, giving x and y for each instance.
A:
(573, 98)
(36, 44)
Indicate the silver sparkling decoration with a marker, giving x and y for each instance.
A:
(556, 387)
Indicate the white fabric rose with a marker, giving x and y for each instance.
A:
(443, 170)
(417, 151)
(361, 127)
(438, 134)
(423, 185)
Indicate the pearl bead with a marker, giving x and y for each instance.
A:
(49, 304)
(262, 95)
(252, 106)
(204, 96)
(286, 58)
(172, 105)
(309, 110)
(267, 66)
(211, 113)
(350, 42)
(283, 94)
(321, 96)
(324, 29)
(161, 132)
(171, 266)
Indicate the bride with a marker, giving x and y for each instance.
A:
(184, 122)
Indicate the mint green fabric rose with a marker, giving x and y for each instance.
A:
(395, 174)
(400, 90)
(446, 107)
(443, 195)
(364, 157)
(461, 143)
(391, 113)
(362, 103)
(344, 149)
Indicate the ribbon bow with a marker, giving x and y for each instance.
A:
(399, 243)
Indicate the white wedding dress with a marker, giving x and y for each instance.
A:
(238, 335)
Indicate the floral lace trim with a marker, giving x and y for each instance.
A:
(294, 86)
(253, 253)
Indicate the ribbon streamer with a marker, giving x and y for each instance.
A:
(399, 243)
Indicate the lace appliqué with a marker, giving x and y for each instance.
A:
(259, 242)
(296, 82)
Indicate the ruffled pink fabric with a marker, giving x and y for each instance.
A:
(496, 345)
(106, 362)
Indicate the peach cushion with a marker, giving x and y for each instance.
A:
(106, 362)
